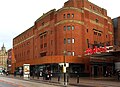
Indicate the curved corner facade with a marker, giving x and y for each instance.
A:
(65, 33)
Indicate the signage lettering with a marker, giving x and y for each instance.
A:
(91, 51)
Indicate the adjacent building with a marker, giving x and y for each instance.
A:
(116, 24)
(3, 58)
(64, 36)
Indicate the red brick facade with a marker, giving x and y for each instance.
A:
(78, 25)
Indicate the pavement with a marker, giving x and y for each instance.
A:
(75, 82)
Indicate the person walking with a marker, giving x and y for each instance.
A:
(14, 73)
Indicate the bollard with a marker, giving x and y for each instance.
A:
(78, 79)
(33, 75)
(37, 77)
(67, 78)
(50, 77)
(58, 78)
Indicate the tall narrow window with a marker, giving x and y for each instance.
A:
(99, 34)
(96, 20)
(69, 40)
(73, 40)
(87, 30)
(106, 36)
(72, 27)
(88, 43)
(95, 33)
(64, 28)
(73, 53)
(68, 53)
(72, 15)
(42, 23)
(68, 27)
(45, 45)
(68, 15)
(64, 40)
(64, 16)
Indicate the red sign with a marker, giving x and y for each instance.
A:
(91, 51)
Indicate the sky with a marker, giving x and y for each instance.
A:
(16, 16)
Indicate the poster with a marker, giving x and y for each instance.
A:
(26, 70)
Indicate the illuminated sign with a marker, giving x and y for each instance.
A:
(90, 51)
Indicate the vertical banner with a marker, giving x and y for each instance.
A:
(26, 70)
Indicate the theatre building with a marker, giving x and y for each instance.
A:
(65, 36)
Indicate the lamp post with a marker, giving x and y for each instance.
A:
(15, 65)
(64, 69)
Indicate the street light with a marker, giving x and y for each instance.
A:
(14, 65)
(64, 69)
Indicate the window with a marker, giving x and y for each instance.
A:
(42, 23)
(94, 9)
(96, 20)
(73, 40)
(41, 37)
(95, 33)
(90, 7)
(88, 42)
(45, 45)
(64, 40)
(73, 53)
(69, 40)
(41, 46)
(28, 43)
(68, 15)
(43, 54)
(64, 28)
(64, 15)
(68, 27)
(68, 53)
(72, 27)
(45, 35)
(72, 15)
(106, 36)
(87, 30)
(99, 34)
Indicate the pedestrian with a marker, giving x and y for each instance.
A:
(20, 73)
(7, 73)
(118, 74)
(33, 74)
(14, 73)
(38, 74)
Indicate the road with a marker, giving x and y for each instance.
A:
(8, 84)
(11, 82)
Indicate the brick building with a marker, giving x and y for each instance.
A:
(66, 33)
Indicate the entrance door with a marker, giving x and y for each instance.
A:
(104, 70)
(95, 71)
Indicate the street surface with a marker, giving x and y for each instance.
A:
(8, 84)
(11, 82)
(15, 82)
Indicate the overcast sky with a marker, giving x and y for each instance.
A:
(18, 15)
